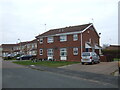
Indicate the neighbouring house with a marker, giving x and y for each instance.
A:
(7, 49)
(31, 47)
(0, 51)
(23, 48)
(68, 43)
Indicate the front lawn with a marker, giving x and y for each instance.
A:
(46, 63)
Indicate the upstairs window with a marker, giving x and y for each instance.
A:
(75, 51)
(50, 39)
(63, 38)
(41, 40)
(75, 37)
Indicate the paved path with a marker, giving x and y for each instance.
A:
(17, 76)
(102, 68)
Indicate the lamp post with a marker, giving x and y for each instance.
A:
(20, 49)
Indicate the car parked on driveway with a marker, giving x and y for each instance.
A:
(90, 57)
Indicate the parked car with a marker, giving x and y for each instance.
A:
(26, 57)
(90, 57)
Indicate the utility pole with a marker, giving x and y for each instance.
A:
(20, 49)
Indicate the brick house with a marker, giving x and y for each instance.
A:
(68, 43)
(7, 49)
(30, 47)
(24, 48)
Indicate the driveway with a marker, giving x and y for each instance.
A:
(102, 68)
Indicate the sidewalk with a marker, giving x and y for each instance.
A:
(81, 74)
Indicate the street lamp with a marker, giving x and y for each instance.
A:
(20, 49)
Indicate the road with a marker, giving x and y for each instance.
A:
(17, 76)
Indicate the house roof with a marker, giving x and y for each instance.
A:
(65, 30)
(8, 45)
(27, 42)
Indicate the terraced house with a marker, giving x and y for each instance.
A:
(68, 43)
(24, 48)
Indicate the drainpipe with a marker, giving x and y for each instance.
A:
(81, 44)
(82, 37)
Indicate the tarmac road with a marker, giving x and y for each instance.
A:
(17, 76)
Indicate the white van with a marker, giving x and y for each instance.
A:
(90, 57)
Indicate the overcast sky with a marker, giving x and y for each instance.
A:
(26, 19)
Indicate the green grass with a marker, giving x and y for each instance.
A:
(46, 63)
(116, 59)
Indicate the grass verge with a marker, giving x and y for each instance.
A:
(46, 63)
(116, 59)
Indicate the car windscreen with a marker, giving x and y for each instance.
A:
(85, 54)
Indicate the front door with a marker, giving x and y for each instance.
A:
(86, 49)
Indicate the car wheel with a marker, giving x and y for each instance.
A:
(98, 61)
(92, 62)
(82, 63)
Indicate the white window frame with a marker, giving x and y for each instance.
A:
(50, 52)
(63, 50)
(75, 37)
(50, 39)
(41, 40)
(75, 51)
(35, 45)
(63, 38)
(41, 51)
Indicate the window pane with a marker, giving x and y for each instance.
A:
(50, 39)
(75, 37)
(75, 51)
(63, 38)
(63, 52)
(41, 51)
(50, 52)
(41, 40)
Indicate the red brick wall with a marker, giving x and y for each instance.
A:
(69, 44)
